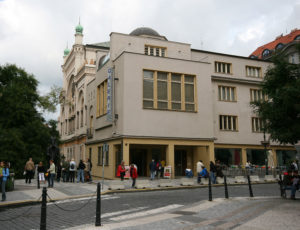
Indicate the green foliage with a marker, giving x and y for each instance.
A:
(282, 111)
(23, 131)
(50, 100)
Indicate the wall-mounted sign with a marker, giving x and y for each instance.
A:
(109, 95)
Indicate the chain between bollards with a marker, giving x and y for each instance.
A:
(98, 206)
(250, 188)
(209, 190)
(226, 189)
(44, 210)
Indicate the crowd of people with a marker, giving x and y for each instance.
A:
(215, 170)
(66, 170)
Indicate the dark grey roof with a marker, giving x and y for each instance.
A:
(103, 44)
(144, 31)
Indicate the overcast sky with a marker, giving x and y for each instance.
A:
(34, 33)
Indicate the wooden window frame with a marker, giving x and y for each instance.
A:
(222, 124)
(219, 66)
(227, 88)
(255, 128)
(101, 99)
(259, 94)
(254, 67)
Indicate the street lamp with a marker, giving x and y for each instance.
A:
(266, 143)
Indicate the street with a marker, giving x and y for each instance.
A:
(120, 206)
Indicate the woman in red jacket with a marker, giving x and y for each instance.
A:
(121, 170)
(133, 174)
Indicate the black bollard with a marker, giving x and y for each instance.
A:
(209, 190)
(44, 210)
(250, 188)
(226, 189)
(98, 206)
(38, 181)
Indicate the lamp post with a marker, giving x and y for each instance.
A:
(265, 143)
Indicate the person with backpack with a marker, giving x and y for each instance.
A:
(72, 170)
(80, 172)
(5, 175)
(133, 174)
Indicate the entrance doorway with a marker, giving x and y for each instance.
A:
(139, 158)
(180, 162)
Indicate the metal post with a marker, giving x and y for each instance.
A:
(226, 189)
(250, 188)
(98, 206)
(209, 190)
(38, 181)
(44, 210)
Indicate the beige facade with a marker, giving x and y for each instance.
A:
(173, 103)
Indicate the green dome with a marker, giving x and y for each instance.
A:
(66, 51)
(79, 29)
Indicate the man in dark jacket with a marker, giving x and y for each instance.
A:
(80, 175)
(152, 168)
(213, 170)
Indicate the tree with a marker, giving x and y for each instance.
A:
(281, 112)
(23, 131)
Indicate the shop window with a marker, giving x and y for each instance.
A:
(256, 156)
(228, 156)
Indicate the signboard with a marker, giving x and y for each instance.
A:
(168, 171)
(127, 172)
(109, 95)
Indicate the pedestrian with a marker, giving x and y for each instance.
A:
(121, 170)
(200, 166)
(133, 174)
(72, 170)
(29, 170)
(80, 172)
(65, 171)
(90, 165)
(41, 172)
(163, 164)
(158, 169)
(152, 167)
(212, 172)
(219, 169)
(203, 173)
(294, 166)
(5, 175)
(58, 172)
(51, 175)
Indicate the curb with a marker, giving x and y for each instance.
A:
(22, 203)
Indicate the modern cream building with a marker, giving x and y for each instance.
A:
(151, 98)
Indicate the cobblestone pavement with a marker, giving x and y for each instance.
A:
(172, 209)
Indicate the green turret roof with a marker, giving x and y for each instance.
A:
(66, 51)
(79, 29)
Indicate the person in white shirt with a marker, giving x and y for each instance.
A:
(72, 170)
(200, 167)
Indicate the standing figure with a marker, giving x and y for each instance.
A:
(213, 171)
(51, 176)
(163, 164)
(158, 169)
(5, 175)
(65, 171)
(58, 172)
(133, 174)
(29, 169)
(41, 172)
(200, 167)
(121, 170)
(152, 167)
(219, 169)
(80, 172)
(89, 168)
(72, 170)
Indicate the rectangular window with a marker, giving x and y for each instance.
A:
(228, 123)
(226, 93)
(102, 99)
(222, 67)
(257, 95)
(173, 91)
(253, 71)
(106, 160)
(257, 125)
(155, 51)
(100, 152)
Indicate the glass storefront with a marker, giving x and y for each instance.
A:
(285, 157)
(256, 156)
(228, 156)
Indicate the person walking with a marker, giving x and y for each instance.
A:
(80, 172)
(72, 170)
(133, 174)
(158, 169)
(65, 171)
(152, 167)
(41, 172)
(163, 164)
(121, 170)
(51, 176)
(200, 167)
(213, 171)
(29, 170)
(5, 175)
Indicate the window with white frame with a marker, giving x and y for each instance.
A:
(257, 95)
(155, 51)
(253, 71)
(223, 67)
(257, 125)
(228, 123)
(170, 91)
(226, 93)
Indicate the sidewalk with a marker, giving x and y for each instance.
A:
(28, 193)
(236, 213)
